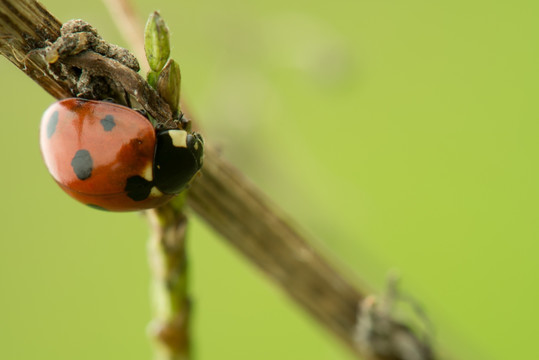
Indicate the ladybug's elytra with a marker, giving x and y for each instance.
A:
(110, 157)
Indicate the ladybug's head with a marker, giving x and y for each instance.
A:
(178, 157)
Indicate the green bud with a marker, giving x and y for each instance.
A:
(168, 85)
(156, 42)
(152, 78)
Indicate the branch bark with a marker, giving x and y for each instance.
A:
(232, 205)
(24, 27)
(169, 266)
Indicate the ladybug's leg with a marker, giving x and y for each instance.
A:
(184, 123)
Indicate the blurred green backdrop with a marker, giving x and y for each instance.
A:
(401, 133)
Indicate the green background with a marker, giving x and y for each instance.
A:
(402, 134)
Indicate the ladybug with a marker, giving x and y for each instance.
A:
(110, 157)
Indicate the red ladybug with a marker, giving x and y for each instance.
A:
(110, 157)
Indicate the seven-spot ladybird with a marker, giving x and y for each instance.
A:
(110, 157)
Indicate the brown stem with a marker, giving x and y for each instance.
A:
(26, 26)
(237, 210)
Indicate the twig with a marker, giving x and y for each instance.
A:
(168, 262)
(237, 210)
(24, 27)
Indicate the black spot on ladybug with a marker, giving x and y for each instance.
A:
(138, 188)
(108, 122)
(51, 125)
(97, 207)
(82, 164)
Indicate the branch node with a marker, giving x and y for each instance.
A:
(379, 335)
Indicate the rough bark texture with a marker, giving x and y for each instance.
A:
(237, 210)
(24, 27)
